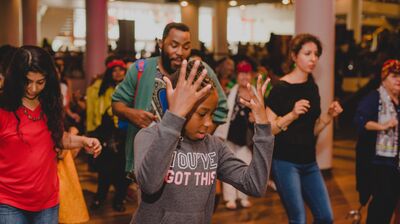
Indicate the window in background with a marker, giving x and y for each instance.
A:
(255, 23)
(205, 26)
(150, 20)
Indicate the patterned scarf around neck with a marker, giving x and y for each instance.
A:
(387, 140)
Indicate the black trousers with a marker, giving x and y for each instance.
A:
(111, 169)
(385, 195)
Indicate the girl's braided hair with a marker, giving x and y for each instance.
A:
(206, 81)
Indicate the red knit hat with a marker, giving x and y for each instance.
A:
(244, 66)
(115, 63)
(390, 66)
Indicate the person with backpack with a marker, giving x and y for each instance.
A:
(132, 99)
(109, 129)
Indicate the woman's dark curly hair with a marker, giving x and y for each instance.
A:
(108, 80)
(299, 40)
(35, 59)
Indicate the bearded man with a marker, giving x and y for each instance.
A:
(133, 99)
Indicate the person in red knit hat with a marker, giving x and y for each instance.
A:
(238, 130)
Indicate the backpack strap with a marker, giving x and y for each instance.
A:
(140, 69)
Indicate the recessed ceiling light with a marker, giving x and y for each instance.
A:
(184, 3)
(233, 3)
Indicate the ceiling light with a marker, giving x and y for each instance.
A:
(233, 3)
(285, 2)
(184, 3)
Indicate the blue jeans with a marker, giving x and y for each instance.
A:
(12, 215)
(299, 183)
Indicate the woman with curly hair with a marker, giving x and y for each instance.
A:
(31, 134)
(294, 109)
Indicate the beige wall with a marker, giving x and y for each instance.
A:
(52, 22)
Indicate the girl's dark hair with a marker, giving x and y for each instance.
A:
(299, 40)
(35, 59)
(108, 80)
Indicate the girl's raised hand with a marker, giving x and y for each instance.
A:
(256, 103)
(182, 99)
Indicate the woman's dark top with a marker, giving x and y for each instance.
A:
(297, 143)
(240, 129)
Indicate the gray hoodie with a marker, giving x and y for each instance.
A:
(177, 176)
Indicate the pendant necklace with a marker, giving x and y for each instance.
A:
(30, 117)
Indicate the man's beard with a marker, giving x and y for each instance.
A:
(166, 63)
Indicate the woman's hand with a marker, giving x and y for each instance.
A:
(186, 94)
(256, 103)
(390, 124)
(75, 116)
(335, 109)
(92, 146)
(300, 107)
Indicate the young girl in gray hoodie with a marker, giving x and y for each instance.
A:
(177, 162)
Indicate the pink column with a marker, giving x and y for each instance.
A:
(96, 38)
(318, 18)
(10, 22)
(29, 21)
